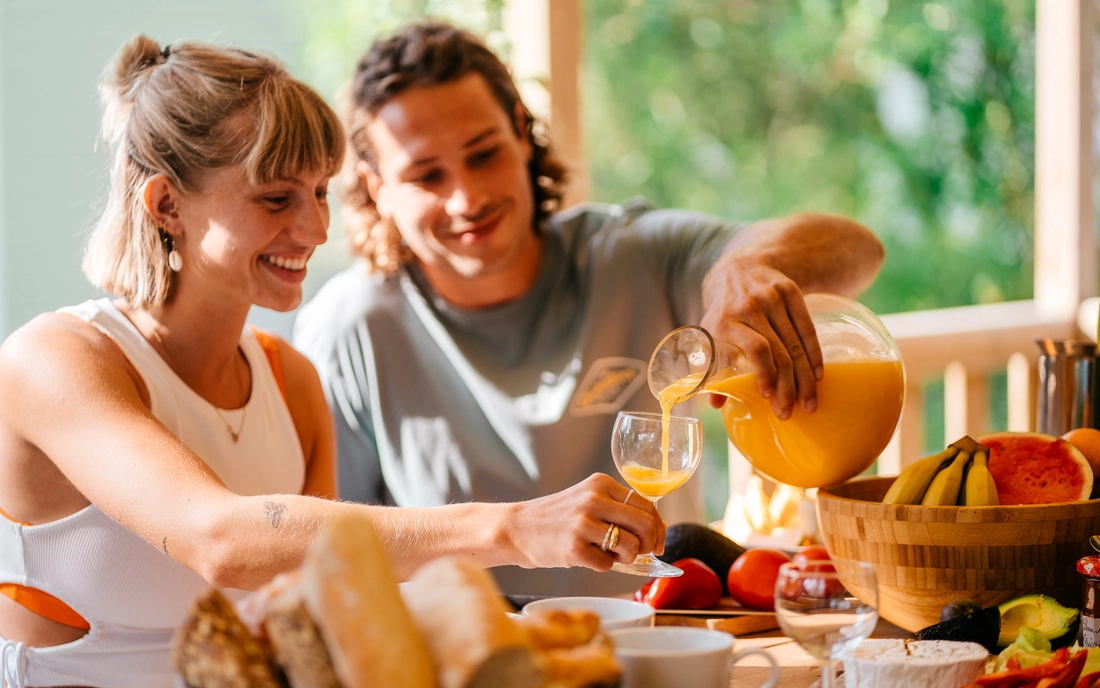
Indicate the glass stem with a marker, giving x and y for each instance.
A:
(828, 674)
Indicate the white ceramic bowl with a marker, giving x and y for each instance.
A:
(613, 612)
(676, 656)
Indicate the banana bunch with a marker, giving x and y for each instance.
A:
(959, 475)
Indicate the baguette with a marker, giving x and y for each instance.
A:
(462, 614)
(350, 592)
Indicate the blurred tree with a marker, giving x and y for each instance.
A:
(914, 118)
(338, 32)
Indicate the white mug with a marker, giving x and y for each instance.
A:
(614, 613)
(677, 656)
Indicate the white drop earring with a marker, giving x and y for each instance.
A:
(175, 260)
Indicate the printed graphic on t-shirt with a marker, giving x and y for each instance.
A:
(431, 463)
(607, 386)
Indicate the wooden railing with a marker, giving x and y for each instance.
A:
(965, 346)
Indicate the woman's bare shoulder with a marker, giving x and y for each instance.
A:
(59, 349)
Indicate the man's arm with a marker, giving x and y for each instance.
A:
(752, 296)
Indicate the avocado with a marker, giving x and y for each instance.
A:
(701, 542)
(1040, 612)
(982, 627)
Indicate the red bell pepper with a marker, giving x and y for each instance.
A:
(1018, 678)
(698, 588)
(1067, 676)
(1057, 673)
(1088, 680)
(640, 593)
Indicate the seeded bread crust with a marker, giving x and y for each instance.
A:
(213, 649)
(297, 643)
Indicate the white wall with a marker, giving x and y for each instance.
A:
(53, 175)
(3, 204)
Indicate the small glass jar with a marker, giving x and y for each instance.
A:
(1089, 568)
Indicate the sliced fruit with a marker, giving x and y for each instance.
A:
(1033, 468)
(1040, 612)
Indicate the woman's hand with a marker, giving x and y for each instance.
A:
(567, 528)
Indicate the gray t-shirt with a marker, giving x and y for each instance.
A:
(436, 404)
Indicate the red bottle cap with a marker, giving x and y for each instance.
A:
(1089, 566)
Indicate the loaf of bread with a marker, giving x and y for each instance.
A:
(350, 592)
(462, 614)
(213, 649)
(296, 642)
(341, 621)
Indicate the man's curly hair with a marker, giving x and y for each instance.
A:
(425, 54)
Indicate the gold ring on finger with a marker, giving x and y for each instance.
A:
(614, 539)
(611, 529)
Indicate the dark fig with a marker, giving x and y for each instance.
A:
(957, 608)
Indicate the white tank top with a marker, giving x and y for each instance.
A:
(133, 595)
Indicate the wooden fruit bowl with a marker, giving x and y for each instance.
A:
(924, 556)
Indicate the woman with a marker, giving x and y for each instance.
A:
(153, 445)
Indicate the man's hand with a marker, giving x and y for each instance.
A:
(760, 310)
(567, 528)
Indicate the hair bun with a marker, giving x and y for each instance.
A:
(135, 57)
(123, 77)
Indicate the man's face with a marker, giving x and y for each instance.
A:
(452, 175)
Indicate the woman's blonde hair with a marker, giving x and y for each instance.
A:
(426, 54)
(181, 112)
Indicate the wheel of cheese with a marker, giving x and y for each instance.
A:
(913, 664)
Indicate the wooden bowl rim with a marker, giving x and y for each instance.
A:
(824, 491)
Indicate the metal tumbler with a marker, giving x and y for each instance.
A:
(1068, 386)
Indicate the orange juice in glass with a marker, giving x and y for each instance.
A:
(859, 397)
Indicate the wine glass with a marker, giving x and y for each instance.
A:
(815, 610)
(655, 454)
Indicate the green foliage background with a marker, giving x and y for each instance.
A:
(914, 118)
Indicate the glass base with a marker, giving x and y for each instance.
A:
(648, 565)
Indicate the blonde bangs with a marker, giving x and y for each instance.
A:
(296, 132)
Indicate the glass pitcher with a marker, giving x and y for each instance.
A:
(859, 398)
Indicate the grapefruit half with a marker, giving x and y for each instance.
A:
(1033, 468)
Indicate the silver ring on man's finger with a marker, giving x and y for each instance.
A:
(610, 538)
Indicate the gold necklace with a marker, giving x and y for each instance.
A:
(235, 434)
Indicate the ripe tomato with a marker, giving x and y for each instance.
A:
(752, 577)
(811, 553)
(816, 558)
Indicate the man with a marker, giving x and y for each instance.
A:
(484, 344)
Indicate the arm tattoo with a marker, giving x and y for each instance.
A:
(164, 545)
(275, 512)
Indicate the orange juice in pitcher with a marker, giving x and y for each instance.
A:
(859, 398)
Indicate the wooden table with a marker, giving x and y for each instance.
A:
(798, 669)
